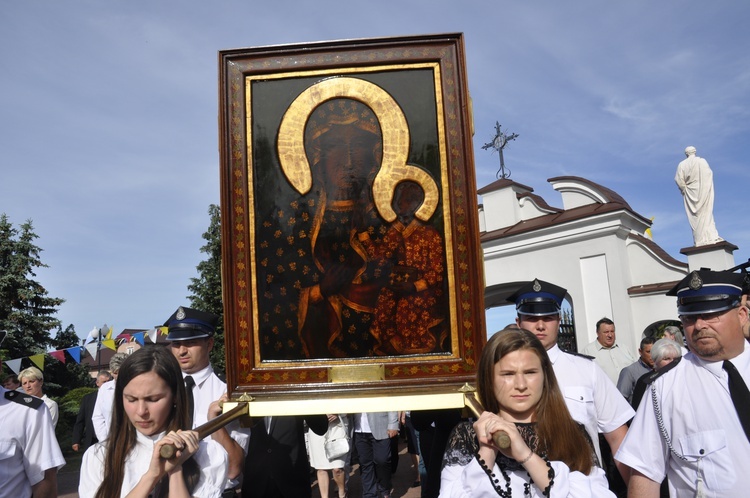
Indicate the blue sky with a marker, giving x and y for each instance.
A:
(110, 137)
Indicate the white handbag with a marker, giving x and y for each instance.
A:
(336, 441)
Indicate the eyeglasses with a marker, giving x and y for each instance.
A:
(706, 317)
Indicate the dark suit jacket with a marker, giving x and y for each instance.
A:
(83, 429)
(278, 458)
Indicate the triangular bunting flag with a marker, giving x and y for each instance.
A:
(109, 333)
(138, 336)
(75, 353)
(15, 365)
(164, 330)
(38, 360)
(92, 348)
(110, 343)
(59, 355)
(124, 336)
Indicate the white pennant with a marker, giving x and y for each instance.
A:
(92, 348)
(14, 365)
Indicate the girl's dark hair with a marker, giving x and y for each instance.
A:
(122, 434)
(559, 435)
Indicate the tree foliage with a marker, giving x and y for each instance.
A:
(62, 377)
(26, 310)
(206, 288)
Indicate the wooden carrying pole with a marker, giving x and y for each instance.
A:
(168, 450)
(500, 438)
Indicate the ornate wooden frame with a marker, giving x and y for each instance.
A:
(256, 88)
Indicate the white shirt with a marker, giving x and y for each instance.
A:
(210, 457)
(28, 447)
(54, 411)
(703, 425)
(207, 389)
(102, 414)
(611, 360)
(471, 481)
(592, 399)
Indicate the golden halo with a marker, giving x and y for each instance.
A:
(395, 131)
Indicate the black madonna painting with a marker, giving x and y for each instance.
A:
(348, 211)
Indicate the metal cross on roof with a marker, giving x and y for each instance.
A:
(498, 143)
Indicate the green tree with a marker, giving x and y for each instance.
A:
(63, 378)
(69, 375)
(26, 310)
(206, 288)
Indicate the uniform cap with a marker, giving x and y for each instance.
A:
(538, 298)
(187, 323)
(706, 291)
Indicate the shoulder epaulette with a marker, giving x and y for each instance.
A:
(24, 399)
(576, 353)
(652, 376)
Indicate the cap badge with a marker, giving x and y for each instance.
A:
(695, 281)
(537, 286)
(180, 314)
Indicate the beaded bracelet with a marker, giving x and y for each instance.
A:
(531, 453)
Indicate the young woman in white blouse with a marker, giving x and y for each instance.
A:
(549, 454)
(149, 411)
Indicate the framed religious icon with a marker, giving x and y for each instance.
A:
(350, 249)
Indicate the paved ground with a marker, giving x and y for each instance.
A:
(67, 480)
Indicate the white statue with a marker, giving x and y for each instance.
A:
(695, 179)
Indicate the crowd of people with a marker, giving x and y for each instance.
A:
(672, 421)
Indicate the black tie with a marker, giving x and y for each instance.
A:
(189, 383)
(740, 396)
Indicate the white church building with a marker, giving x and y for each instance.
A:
(595, 246)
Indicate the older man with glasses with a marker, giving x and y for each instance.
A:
(693, 424)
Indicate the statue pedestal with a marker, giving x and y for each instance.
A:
(716, 256)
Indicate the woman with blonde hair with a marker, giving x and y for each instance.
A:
(549, 453)
(150, 411)
(32, 380)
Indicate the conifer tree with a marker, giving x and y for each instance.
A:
(26, 310)
(206, 288)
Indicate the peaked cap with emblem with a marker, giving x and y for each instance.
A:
(187, 323)
(706, 291)
(538, 298)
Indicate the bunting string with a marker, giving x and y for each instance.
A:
(92, 346)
